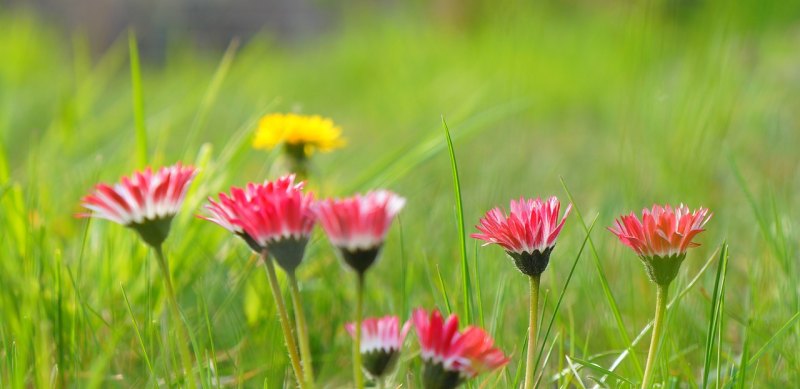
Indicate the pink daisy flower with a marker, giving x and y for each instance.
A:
(276, 216)
(452, 357)
(145, 201)
(225, 212)
(381, 341)
(528, 233)
(358, 225)
(662, 237)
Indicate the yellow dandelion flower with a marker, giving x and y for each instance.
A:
(298, 132)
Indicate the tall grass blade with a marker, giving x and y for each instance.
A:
(612, 302)
(443, 291)
(210, 96)
(561, 296)
(742, 376)
(138, 101)
(139, 336)
(462, 234)
(716, 301)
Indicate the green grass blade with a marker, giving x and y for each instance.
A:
(612, 302)
(210, 96)
(643, 332)
(521, 364)
(443, 290)
(478, 292)
(785, 328)
(138, 101)
(139, 335)
(714, 315)
(403, 161)
(462, 233)
(742, 376)
(598, 368)
(561, 296)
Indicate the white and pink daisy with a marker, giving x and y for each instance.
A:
(225, 212)
(145, 201)
(452, 357)
(381, 341)
(276, 216)
(358, 225)
(662, 237)
(528, 233)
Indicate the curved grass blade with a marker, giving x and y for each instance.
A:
(138, 101)
(561, 296)
(596, 367)
(462, 234)
(715, 315)
(612, 302)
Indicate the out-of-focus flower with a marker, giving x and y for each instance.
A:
(302, 135)
(276, 215)
(225, 212)
(381, 341)
(451, 357)
(662, 237)
(528, 233)
(145, 201)
(358, 225)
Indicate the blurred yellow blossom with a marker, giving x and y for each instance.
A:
(300, 134)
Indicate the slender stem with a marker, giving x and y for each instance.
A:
(291, 346)
(182, 327)
(381, 382)
(534, 310)
(357, 375)
(658, 328)
(302, 330)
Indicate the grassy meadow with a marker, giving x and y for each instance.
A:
(610, 105)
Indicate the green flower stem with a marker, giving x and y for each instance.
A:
(294, 356)
(182, 327)
(534, 310)
(302, 330)
(357, 374)
(658, 328)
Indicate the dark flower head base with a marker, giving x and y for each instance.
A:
(662, 270)
(381, 341)
(288, 252)
(435, 376)
(377, 363)
(359, 259)
(531, 264)
(153, 232)
(251, 243)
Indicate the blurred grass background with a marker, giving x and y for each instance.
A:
(630, 103)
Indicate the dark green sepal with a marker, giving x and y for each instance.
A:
(379, 362)
(251, 242)
(288, 253)
(662, 270)
(531, 264)
(153, 232)
(360, 259)
(435, 376)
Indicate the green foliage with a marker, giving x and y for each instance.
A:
(632, 104)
